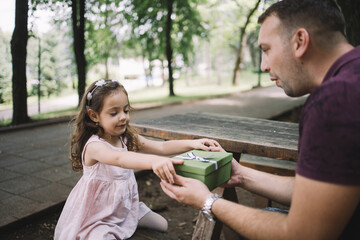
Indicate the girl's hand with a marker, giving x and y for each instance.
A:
(164, 168)
(208, 145)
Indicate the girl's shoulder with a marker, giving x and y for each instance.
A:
(96, 138)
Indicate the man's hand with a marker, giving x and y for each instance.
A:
(188, 191)
(235, 178)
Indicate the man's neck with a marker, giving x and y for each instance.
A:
(323, 60)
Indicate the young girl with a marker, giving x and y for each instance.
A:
(104, 204)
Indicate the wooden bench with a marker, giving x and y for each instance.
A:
(266, 145)
(269, 165)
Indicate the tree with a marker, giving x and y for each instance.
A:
(242, 31)
(56, 61)
(169, 49)
(78, 25)
(165, 29)
(351, 12)
(18, 53)
(5, 68)
(104, 32)
(78, 9)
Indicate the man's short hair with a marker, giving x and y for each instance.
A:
(316, 16)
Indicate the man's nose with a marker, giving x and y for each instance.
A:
(264, 65)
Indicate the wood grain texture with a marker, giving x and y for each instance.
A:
(259, 137)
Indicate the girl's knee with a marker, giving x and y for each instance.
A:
(154, 221)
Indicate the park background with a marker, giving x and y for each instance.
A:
(208, 71)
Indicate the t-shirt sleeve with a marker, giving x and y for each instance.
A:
(329, 144)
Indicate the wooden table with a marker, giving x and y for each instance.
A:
(259, 137)
(236, 134)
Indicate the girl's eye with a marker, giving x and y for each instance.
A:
(126, 111)
(113, 114)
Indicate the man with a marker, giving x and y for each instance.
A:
(304, 49)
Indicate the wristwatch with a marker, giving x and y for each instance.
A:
(206, 210)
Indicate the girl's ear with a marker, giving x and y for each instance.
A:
(93, 115)
(301, 42)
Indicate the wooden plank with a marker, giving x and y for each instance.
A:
(270, 165)
(204, 229)
(236, 134)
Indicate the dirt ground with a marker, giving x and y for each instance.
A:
(181, 218)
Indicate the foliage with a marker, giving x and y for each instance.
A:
(55, 63)
(148, 23)
(105, 30)
(5, 68)
(351, 11)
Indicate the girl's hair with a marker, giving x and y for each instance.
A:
(84, 127)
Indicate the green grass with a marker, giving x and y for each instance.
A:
(55, 114)
(199, 88)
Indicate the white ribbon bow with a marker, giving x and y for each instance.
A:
(192, 156)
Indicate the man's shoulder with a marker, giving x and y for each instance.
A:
(342, 83)
(338, 98)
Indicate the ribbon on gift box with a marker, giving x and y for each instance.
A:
(192, 156)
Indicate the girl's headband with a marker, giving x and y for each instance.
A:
(98, 83)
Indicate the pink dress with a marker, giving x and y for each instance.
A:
(104, 204)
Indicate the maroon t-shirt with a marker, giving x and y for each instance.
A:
(329, 131)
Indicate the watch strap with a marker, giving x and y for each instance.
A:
(206, 210)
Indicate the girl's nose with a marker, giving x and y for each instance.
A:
(122, 117)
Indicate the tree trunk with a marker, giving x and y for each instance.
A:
(18, 53)
(169, 50)
(78, 22)
(351, 11)
(239, 52)
(107, 68)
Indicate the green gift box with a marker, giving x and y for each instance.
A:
(212, 168)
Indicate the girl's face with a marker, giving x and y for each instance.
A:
(114, 115)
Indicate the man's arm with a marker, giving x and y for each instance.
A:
(319, 210)
(274, 187)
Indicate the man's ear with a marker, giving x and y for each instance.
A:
(301, 40)
(93, 115)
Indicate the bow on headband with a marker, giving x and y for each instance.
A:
(192, 156)
(98, 83)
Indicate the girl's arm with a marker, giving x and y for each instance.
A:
(173, 147)
(162, 166)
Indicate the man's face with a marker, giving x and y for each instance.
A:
(278, 59)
